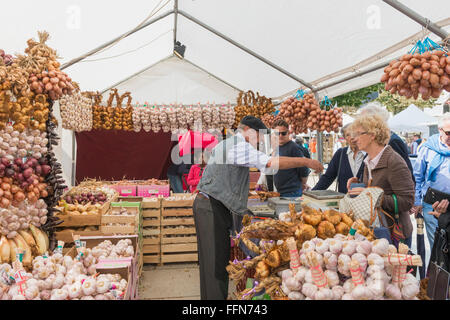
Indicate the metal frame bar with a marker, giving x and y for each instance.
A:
(425, 22)
(252, 53)
(126, 34)
(175, 23)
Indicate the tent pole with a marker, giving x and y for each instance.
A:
(257, 56)
(74, 168)
(175, 11)
(319, 145)
(426, 23)
(126, 34)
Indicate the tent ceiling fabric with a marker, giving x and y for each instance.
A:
(175, 80)
(309, 39)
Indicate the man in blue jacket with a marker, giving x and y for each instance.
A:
(346, 163)
(432, 169)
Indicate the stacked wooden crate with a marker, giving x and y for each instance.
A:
(178, 234)
(151, 212)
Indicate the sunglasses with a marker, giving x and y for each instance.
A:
(446, 132)
(281, 133)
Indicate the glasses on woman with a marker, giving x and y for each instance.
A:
(283, 133)
(358, 134)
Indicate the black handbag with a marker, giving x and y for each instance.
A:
(438, 282)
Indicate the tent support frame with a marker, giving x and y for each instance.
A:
(175, 22)
(243, 48)
(126, 34)
(426, 23)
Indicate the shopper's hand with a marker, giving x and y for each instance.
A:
(416, 210)
(356, 191)
(315, 165)
(439, 208)
(305, 187)
(350, 181)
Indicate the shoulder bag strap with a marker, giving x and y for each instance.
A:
(339, 170)
(395, 207)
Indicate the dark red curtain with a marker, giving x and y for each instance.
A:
(113, 155)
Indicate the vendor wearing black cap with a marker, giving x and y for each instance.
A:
(223, 191)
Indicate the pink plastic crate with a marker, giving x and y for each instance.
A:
(126, 190)
(148, 191)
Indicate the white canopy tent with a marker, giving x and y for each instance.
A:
(412, 119)
(273, 47)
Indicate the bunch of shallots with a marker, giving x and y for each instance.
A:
(426, 74)
(342, 269)
(76, 112)
(306, 113)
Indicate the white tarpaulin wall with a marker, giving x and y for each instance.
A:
(175, 80)
(319, 42)
(412, 119)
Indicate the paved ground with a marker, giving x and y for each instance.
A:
(178, 281)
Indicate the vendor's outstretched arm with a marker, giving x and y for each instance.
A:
(294, 162)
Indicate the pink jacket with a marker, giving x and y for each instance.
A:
(195, 174)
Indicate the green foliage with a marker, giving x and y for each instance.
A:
(395, 103)
(351, 101)
(357, 97)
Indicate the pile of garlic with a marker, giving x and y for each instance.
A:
(18, 218)
(350, 269)
(15, 144)
(107, 250)
(76, 112)
(61, 277)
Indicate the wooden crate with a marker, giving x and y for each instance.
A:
(176, 212)
(151, 250)
(176, 203)
(178, 236)
(133, 221)
(151, 213)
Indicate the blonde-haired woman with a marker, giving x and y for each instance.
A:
(384, 168)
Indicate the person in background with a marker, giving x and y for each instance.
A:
(394, 141)
(177, 169)
(415, 144)
(431, 169)
(346, 163)
(313, 147)
(299, 142)
(384, 168)
(196, 171)
(289, 182)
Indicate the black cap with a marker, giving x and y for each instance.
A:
(253, 123)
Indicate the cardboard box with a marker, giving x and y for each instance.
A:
(153, 190)
(125, 190)
(126, 267)
(66, 234)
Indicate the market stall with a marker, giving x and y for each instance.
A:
(88, 239)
